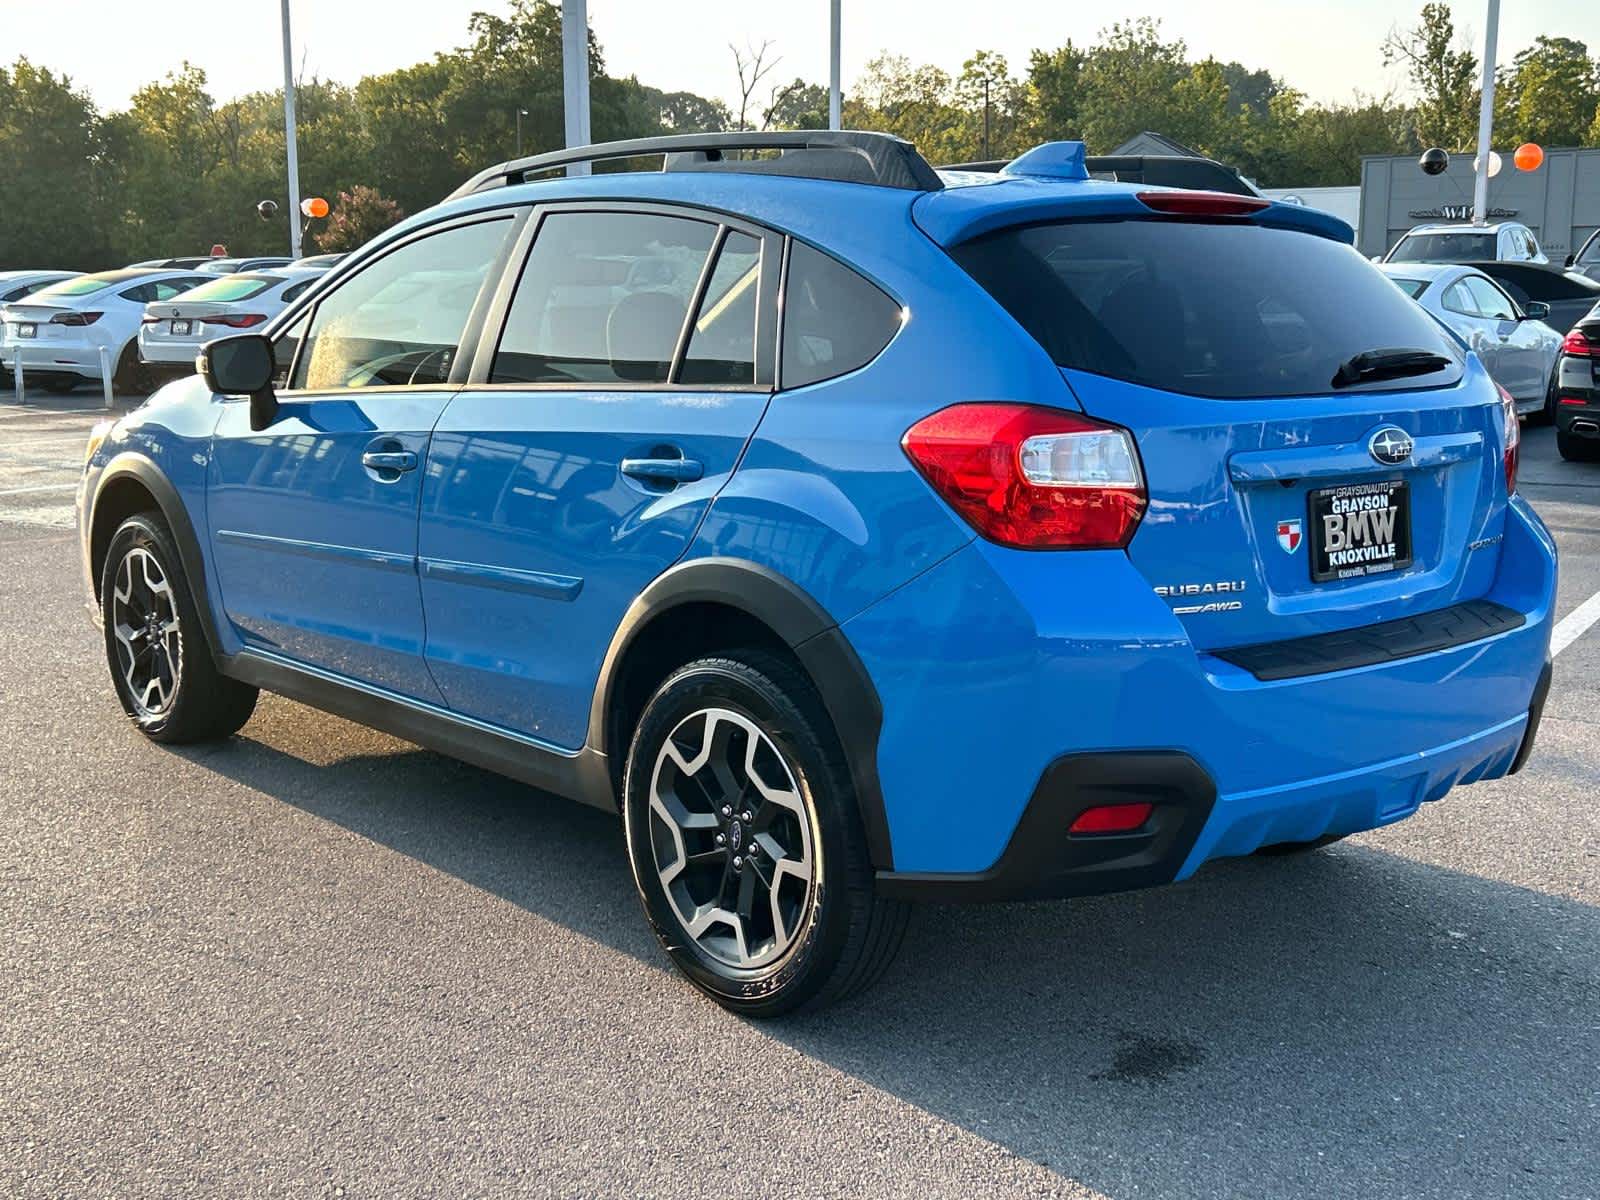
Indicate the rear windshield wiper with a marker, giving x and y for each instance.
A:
(1387, 364)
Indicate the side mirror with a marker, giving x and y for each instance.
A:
(242, 366)
(1535, 310)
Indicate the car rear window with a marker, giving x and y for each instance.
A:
(1444, 247)
(233, 287)
(81, 285)
(1227, 311)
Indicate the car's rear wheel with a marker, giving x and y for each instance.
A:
(1577, 449)
(156, 647)
(133, 377)
(746, 843)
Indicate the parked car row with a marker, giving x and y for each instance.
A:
(58, 322)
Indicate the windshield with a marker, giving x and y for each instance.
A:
(1590, 254)
(1230, 311)
(232, 287)
(1445, 247)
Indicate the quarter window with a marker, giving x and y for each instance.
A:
(603, 299)
(283, 351)
(833, 320)
(399, 321)
(1490, 300)
(1456, 300)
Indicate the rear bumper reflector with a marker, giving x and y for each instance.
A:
(1370, 645)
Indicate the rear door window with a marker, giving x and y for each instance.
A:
(722, 341)
(834, 321)
(603, 298)
(1225, 310)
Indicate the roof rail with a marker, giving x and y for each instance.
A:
(854, 156)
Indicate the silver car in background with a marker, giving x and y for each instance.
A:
(176, 328)
(1517, 348)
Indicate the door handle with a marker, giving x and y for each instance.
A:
(663, 470)
(397, 461)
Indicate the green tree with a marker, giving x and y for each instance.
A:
(797, 105)
(358, 216)
(1444, 74)
(1055, 84)
(1549, 95)
(986, 87)
(52, 189)
(1129, 81)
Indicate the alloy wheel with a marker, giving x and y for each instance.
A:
(732, 838)
(146, 633)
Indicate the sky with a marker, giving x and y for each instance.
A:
(1329, 49)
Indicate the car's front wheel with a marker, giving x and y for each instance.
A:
(746, 843)
(156, 648)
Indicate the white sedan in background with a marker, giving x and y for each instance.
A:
(174, 329)
(1517, 348)
(14, 285)
(59, 331)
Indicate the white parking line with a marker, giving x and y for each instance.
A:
(43, 487)
(1572, 626)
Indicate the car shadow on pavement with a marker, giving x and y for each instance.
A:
(1349, 1022)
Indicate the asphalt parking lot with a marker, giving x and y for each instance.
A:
(318, 961)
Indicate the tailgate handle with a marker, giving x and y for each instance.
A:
(1352, 458)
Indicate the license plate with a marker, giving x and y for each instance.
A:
(1360, 529)
(27, 330)
(182, 328)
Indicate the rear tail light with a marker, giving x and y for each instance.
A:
(1033, 478)
(236, 320)
(1202, 204)
(1513, 437)
(75, 318)
(1579, 346)
(1112, 818)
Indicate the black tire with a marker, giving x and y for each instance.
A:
(190, 701)
(1284, 849)
(133, 377)
(1577, 449)
(836, 939)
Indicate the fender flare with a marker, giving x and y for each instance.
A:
(133, 465)
(811, 634)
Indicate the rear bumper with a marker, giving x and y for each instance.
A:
(48, 360)
(167, 353)
(996, 664)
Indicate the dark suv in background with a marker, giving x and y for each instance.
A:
(1578, 391)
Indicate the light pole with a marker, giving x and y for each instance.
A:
(1480, 185)
(835, 100)
(575, 76)
(521, 112)
(289, 136)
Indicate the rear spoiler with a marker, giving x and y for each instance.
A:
(1158, 170)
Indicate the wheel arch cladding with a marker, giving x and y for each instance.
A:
(132, 484)
(711, 604)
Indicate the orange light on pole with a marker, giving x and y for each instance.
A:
(1529, 156)
(314, 207)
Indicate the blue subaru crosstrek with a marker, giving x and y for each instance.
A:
(866, 534)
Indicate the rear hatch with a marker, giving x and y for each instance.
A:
(1319, 453)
